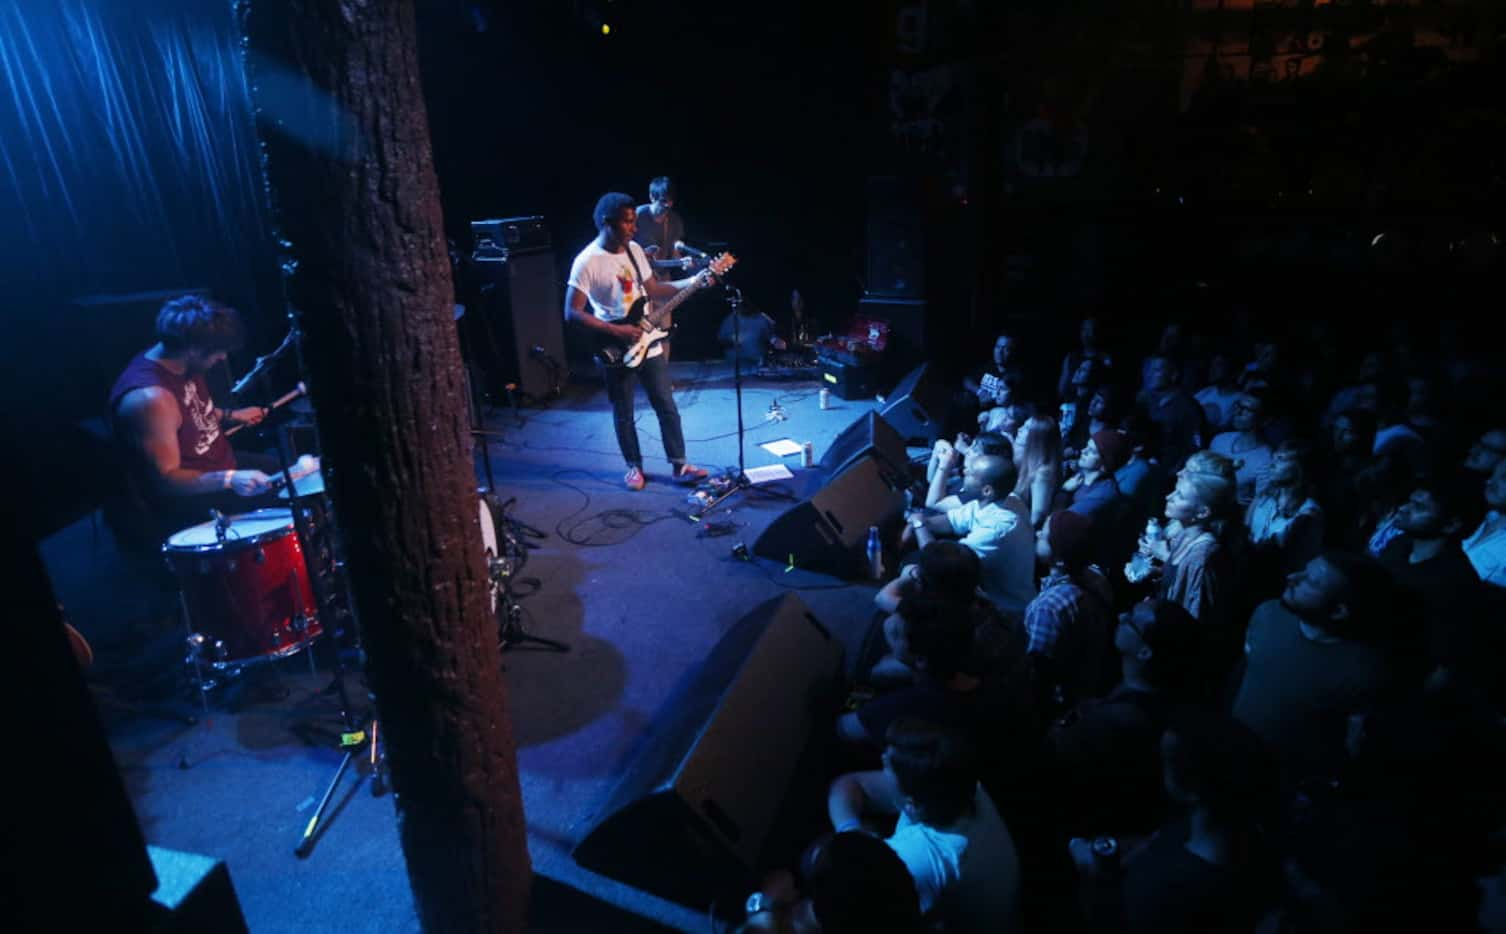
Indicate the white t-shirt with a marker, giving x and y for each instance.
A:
(1250, 467)
(610, 283)
(968, 873)
(1487, 551)
(1001, 535)
(1218, 405)
(1269, 526)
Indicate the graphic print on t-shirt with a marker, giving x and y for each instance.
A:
(202, 413)
(626, 281)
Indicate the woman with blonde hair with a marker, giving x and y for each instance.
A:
(1197, 571)
(1038, 458)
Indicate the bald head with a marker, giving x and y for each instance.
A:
(989, 476)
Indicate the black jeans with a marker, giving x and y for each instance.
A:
(653, 373)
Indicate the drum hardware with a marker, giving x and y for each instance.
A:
(505, 557)
(305, 493)
(502, 563)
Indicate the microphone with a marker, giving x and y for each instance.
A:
(221, 524)
(689, 250)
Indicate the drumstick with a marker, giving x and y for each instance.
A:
(277, 403)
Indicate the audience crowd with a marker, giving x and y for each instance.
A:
(1204, 638)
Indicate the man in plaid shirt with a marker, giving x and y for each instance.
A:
(1068, 624)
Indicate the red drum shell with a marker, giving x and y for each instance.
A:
(250, 593)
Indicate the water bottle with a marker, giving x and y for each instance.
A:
(875, 554)
(1140, 565)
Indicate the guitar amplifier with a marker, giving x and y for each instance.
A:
(496, 239)
(849, 380)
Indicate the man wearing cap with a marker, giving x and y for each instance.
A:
(1093, 489)
(1094, 492)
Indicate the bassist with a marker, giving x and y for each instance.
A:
(606, 279)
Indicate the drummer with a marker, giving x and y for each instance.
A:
(182, 464)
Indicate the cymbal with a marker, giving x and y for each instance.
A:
(311, 485)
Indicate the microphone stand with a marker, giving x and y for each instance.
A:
(259, 369)
(739, 481)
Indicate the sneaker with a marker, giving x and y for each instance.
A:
(689, 473)
(634, 479)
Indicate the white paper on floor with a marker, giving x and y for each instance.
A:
(765, 474)
(784, 447)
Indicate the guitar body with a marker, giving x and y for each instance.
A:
(612, 353)
(655, 321)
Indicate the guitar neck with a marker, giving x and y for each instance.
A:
(696, 284)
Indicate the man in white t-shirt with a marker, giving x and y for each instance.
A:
(607, 278)
(949, 834)
(994, 523)
(1486, 548)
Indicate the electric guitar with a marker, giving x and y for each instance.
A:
(653, 320)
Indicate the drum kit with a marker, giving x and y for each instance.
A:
(255, 587)
(248, 582)
(268, 584)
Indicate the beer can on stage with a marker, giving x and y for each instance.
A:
(808, 454)
(825, 398)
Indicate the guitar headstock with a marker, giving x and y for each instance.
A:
(718, 267)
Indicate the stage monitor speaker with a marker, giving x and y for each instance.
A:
(518, 334)
(828, 532)
(690, 816)
(917, 407)
(868, 434)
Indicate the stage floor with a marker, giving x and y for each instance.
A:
(639, 596)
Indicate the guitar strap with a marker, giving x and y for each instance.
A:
(637, 273)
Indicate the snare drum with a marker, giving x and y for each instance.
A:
(249, 593)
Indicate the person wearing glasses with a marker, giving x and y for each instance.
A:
(1101, 769)
(1245, 446)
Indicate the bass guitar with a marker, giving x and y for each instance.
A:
(653, 319)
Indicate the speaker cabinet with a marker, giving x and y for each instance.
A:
(695, 805)
(516, 328)
(868, 434)
(907, 346)
(917, 408)
(829, 531)
(896, 245)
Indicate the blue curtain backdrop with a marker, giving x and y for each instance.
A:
(128, 164)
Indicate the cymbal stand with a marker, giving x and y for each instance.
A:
(355, 735)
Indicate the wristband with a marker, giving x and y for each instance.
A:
(229, 479)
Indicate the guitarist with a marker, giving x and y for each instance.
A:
(610, 275)
(661, 229)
